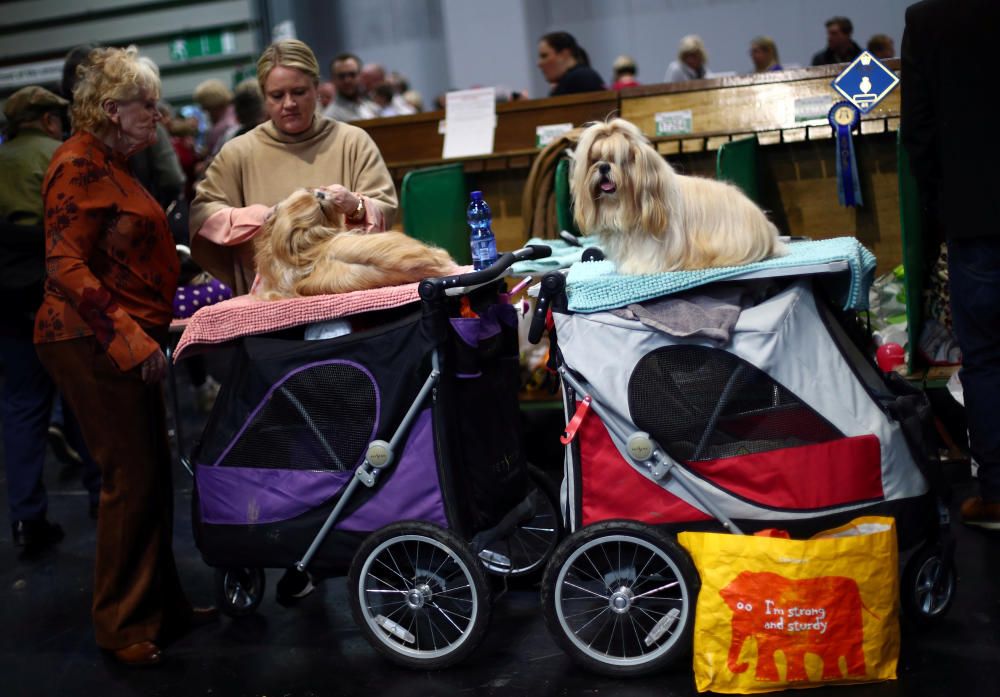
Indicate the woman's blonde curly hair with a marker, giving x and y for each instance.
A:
(109, 73)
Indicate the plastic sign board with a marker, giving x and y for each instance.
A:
(201, 45)
(548, 133)
(865, 82)
(673, 123)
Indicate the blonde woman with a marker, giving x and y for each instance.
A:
(112, 273)
(691, 63)
(764, 54)
(294, 148)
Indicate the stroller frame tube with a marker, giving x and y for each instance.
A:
(367, 473)
(662, 466)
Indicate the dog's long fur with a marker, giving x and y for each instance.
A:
(651, 219)
(300, 251)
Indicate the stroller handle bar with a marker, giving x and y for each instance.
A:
(432, 289)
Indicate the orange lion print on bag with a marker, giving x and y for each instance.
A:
(820, 616)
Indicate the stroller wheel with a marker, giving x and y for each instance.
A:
(619, 598)
(523, 554)
(238, 590)
(927, 586)
(419, 595)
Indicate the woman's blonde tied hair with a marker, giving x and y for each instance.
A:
(109, 73)
(289, 53)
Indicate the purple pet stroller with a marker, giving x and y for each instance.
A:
(784, 423)
(392, 455)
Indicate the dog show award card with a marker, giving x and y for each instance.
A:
(546, 134)
(673, 123)
(470, 119)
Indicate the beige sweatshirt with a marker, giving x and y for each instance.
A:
(262, 167)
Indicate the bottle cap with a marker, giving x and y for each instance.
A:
(477, 195)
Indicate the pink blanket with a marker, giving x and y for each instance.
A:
(245, 315)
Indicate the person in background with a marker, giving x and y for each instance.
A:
(373, 74)
(882, 46)
(158, 166)
(35, 128)
(566, 66)
(415, 100)
(840, 47)
(112, 272)
(382, 95)
(248, 103)
(764, 54)
(325, 94)
(691, 63)
(624, 70)
(349, 104)
(955, 167)
(216, 100)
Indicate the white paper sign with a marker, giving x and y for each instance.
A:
(673, 123)
(546, 134)
(470, 117)
(811, 108)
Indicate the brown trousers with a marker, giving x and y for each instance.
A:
(137, 592)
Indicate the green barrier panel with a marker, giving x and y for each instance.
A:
(564, 203)
(434, 201)
(914, 263)
(737, 163)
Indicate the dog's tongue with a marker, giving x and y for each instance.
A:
(609, 187)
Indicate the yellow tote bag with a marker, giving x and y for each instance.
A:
(775, 613)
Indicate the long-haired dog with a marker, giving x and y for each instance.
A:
(651, 219)
(300, 250)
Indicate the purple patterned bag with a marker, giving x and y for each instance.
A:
(194, 296)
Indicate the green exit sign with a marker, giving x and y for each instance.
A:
(213, 43)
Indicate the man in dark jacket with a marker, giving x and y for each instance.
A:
(840, 48)
(34, 117)
(945, 127)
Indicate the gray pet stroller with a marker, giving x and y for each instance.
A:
(786, 424)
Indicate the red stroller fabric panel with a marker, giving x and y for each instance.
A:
(819, 475)
(612, 489)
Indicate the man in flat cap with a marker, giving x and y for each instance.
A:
(34, 128)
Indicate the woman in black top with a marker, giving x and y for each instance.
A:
(566, 66)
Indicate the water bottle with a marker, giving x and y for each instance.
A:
(484, 245)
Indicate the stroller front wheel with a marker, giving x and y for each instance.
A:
(419, 595)
(927, 585)
(618, 597)
(239, 590)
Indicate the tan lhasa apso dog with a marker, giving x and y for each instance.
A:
(299, 251)
(651, 219)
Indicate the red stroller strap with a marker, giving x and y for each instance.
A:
(571, 428)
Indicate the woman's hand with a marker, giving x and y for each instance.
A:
(154, 368)
(343, 200)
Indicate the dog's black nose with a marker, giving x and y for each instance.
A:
(604, 168)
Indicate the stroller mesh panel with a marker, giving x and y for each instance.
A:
(702, 403)
(320, 418)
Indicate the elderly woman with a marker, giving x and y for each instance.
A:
(112, 273)
(764, 54)
(691, 63)
(294, 148)
(565, 65)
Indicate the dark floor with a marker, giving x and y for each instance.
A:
(47, 646)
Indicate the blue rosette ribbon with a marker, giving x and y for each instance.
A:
(844, 117)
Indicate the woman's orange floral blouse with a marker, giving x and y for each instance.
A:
(111, 262)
